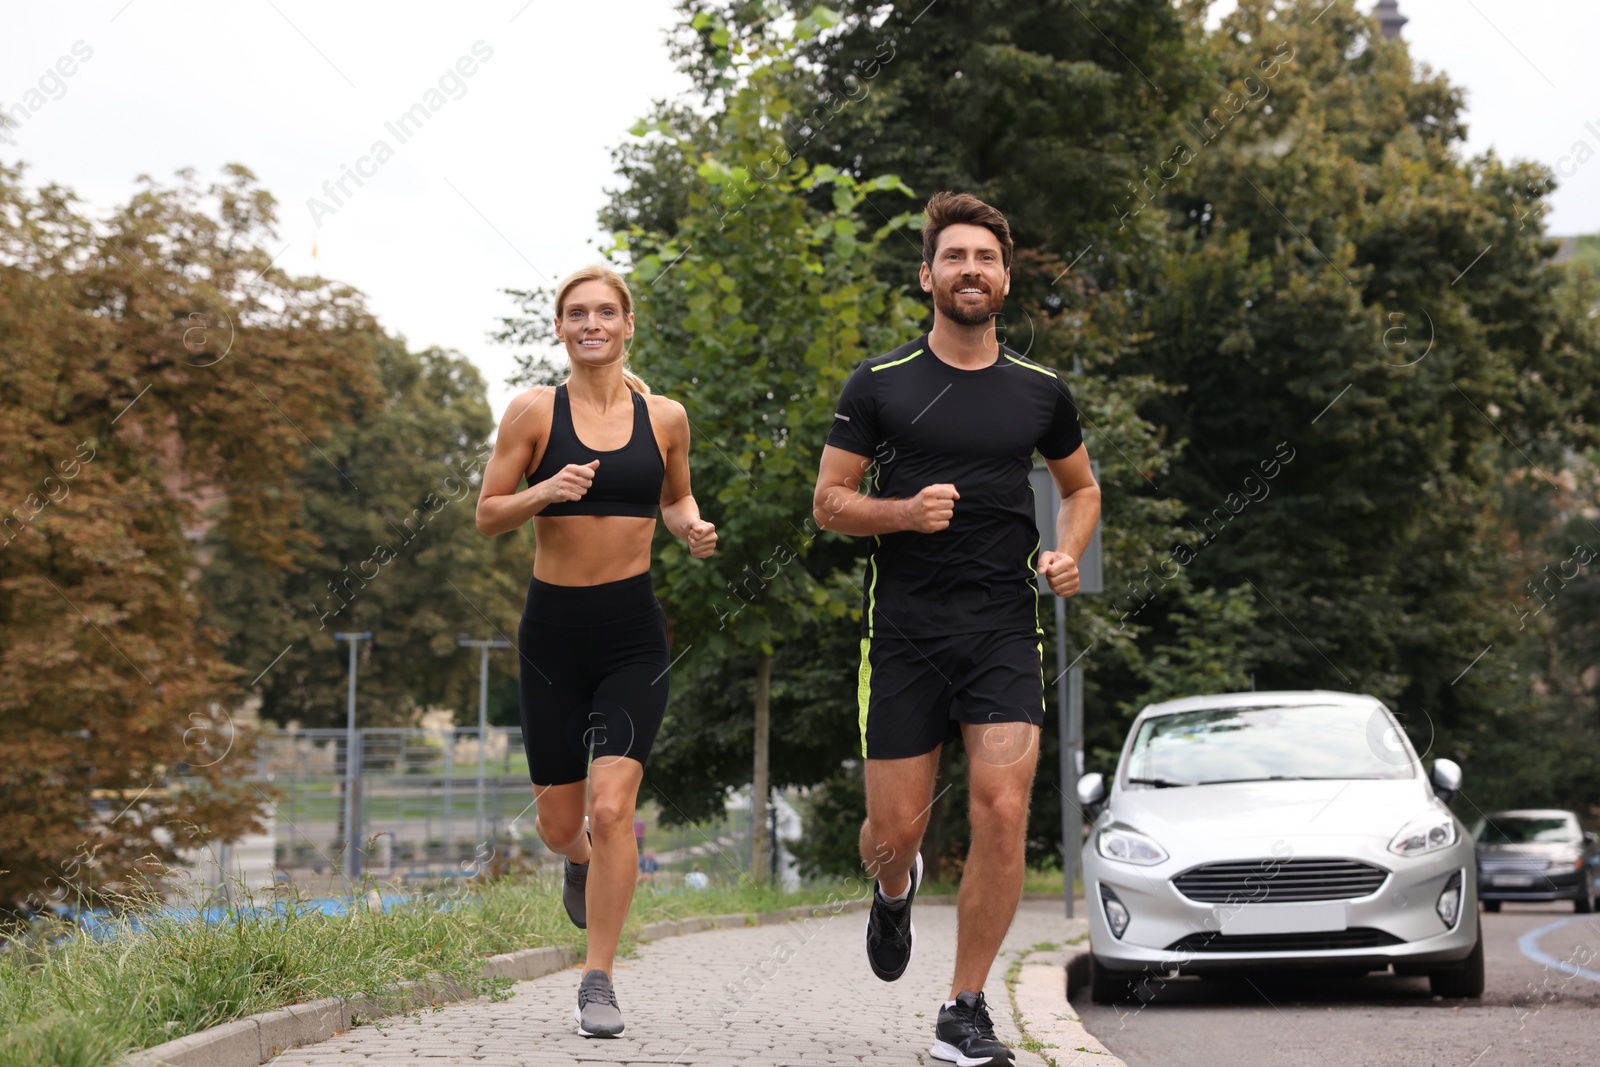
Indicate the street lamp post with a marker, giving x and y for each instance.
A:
(352, 765)
(483, 712)
(1069, 680)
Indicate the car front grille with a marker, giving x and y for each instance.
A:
(1279, 881)
(1356, 937)
(1513, 864)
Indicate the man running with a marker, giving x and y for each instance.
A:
(929, 455)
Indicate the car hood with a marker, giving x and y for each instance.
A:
(1334, 808)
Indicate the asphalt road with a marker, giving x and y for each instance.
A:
(1541, 1008)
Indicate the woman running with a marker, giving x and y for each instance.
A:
(600, 454)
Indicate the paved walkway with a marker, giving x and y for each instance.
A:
(757, 997)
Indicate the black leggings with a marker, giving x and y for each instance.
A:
(594, 675)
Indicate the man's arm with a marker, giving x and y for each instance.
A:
(1075, 523)
(839, 505)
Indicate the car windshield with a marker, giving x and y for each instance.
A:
(1267, 743)
(1526, 830)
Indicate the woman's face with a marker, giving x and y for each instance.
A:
(593, 325)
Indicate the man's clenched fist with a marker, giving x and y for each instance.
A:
(1061, 571)
(931, 510)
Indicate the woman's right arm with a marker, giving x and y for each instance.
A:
(501, 507)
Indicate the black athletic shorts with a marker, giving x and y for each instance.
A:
(911, 689)
(593, 675)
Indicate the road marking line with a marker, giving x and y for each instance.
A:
(1528, 945)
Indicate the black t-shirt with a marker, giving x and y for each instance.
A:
(922, 422)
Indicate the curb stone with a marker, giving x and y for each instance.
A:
(255, 1039)
(1040, 996)
(302, 1024)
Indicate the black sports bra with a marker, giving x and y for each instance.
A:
(628, 480)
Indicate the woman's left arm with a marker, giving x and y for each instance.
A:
(678, 508)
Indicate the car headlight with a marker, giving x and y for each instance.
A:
(1129, 847)
(1566, 864)
(1424, 835)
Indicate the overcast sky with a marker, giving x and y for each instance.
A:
(499, 187)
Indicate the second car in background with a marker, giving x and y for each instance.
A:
(1536, 855)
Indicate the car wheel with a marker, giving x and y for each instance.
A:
(1108, 987)
(1465, 980)
(1491, 905)
(1584, 904)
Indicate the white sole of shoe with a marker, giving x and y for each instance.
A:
(949, 1053)
(577, 1015)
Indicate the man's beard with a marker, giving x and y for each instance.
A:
(945, 302)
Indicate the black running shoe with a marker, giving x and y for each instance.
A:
(965, 1035)
(597, 1012)
(890, 934)
(574, 886)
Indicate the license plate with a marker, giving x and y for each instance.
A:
(1282, 918)
(1513, 879)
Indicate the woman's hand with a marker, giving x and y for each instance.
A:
(702, 538)
(569, 483)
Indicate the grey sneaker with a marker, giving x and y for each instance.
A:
(574, 883)
(597, 1012)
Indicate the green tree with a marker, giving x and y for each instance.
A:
(1020, 107)
(154, 359)
(757, 306)
(753, 306)
(1339, 278)
(395, 552)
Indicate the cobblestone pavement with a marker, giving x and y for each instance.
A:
(756, 997)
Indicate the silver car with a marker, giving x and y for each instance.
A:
(1277, 830)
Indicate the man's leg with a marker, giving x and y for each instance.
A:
(1001, 758)
(899, 800)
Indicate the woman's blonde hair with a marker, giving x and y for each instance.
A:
(598, 273)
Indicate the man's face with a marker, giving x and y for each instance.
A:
(968, 279)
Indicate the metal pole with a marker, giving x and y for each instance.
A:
(352, 768)
(463, 641)
(483, 734)
(1069, 682)
(1071, 819)
(356, 820)
(352, 764)
(448, 833)
(1075, 813)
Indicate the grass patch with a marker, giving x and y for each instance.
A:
(1014, 971)
(74, 1000)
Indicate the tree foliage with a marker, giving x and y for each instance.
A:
(1340, 278)
(396, 553)
(154, 360)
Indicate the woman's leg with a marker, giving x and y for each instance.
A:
(558, 819)
(613, 792)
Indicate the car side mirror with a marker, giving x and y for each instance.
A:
(1091, 792)
(1589, 836)
(1446, 779)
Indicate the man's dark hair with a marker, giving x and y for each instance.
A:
(953, 209)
